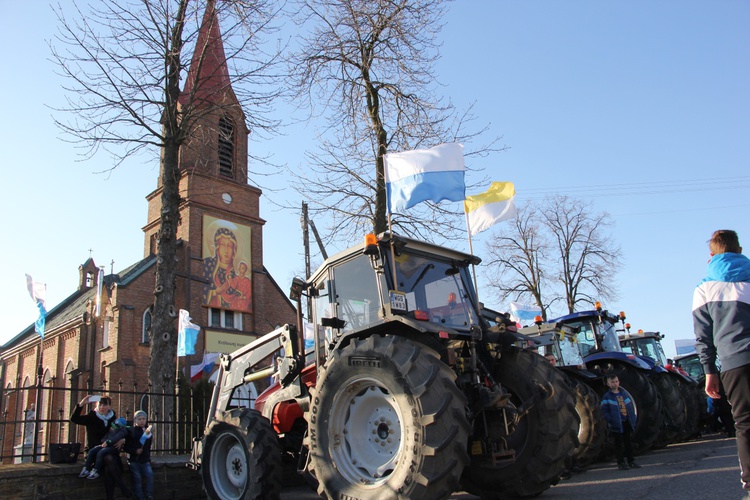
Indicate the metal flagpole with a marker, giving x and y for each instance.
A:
(471, 251)
(38, 398)
(393, 255)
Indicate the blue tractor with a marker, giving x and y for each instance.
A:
(561, 341)
(602, 354)
(678, 390)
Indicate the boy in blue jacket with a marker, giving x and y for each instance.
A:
(619, 412)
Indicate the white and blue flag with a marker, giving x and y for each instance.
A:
(522, 312)
(419, 175)
(38, 292)
(187, 334)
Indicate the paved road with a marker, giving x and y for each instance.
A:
(704, 469)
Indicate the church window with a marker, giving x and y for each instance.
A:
(226, 147)
(105, 334)
(146, 330)
(223, 318)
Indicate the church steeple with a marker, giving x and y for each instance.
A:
(213, 156)
(217, 145)
(208, 75)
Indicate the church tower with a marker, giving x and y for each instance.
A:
(218, 208)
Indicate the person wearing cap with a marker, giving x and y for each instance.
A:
(96, 455)
(96, 421)
(138, 446)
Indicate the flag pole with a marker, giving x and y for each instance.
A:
(471, 251)
(393, 254)
(37, 399)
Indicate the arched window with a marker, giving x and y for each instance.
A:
(146, 326)
(226, 147)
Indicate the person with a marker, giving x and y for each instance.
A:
(138, 446)
(94, 465)
(219, 270)
(550, 359)
(96, 421)
(721, 321)
(619, 412)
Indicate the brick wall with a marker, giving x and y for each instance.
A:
(45, 481)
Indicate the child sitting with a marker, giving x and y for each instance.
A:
(96, 455)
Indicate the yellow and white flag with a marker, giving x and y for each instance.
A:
(488, 208)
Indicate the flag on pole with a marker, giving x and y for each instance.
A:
(38, 292)
(419, 175)
(523, 313)
(494, 205)
(187, 334)
(205, 366)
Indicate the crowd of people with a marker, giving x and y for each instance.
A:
(106, 437)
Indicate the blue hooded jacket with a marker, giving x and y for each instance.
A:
(721, 313)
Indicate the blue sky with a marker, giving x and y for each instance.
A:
(641, 107)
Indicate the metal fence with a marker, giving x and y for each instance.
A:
(21, 425)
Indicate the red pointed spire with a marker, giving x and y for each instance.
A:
(208, 75)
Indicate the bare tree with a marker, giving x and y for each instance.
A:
(517, 265)
(555, 250)
(124, 60)
(588, 257)
(367, 68)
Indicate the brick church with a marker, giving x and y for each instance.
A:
(221, 281)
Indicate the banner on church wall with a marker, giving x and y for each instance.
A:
(226, 343)
(227, 265)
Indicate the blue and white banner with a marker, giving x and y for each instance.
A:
(187, 334)
(38, 293)
(419, 175)
(522, 312)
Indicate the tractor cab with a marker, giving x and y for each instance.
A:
(644, 344)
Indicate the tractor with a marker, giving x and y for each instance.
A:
(679, 392)
(407, 392)
(603, 355)
(561, 341)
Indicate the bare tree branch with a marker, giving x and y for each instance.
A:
(555, 251)
(366, 69)
(124, 61)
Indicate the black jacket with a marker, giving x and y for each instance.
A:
(96, 428)
(133, 443)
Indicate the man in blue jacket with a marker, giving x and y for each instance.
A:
(721, 319)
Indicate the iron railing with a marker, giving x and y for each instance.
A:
(20, 426)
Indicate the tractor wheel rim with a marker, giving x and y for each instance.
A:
(366, 429)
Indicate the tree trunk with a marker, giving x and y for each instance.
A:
(163, 331)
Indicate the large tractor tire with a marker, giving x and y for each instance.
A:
(647, 403)
(542, 442)
(593, 431)
(241, 457)
(673, 409)
(387, 421)
(692, 409)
